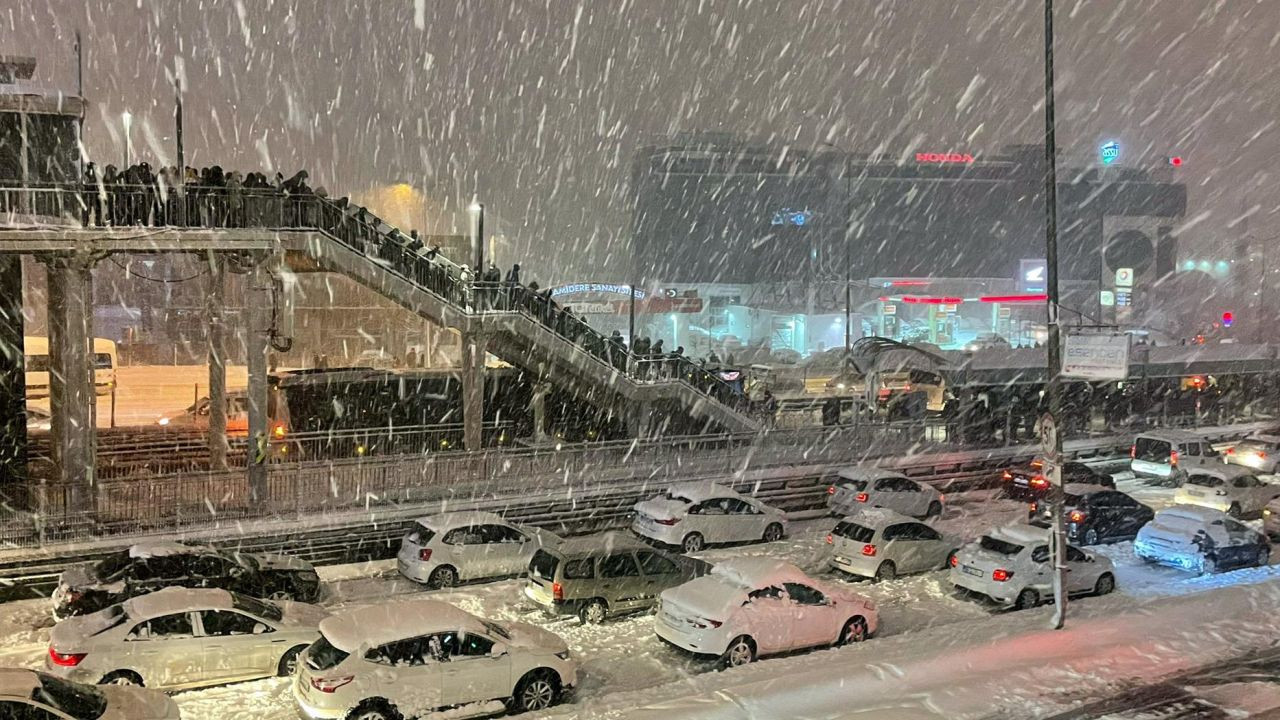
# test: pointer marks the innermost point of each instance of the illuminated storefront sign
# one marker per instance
(1109, 152)
(579, 288)
(787, 216)
(944, 158)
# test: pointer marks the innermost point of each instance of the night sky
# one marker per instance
(538, 107)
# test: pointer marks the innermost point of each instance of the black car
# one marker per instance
(1095, 514)
(149, 567)
(1028, 483)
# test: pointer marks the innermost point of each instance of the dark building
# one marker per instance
(716, 209)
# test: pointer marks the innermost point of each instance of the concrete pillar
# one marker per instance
(73, 403)
(13, 390)
(474, 347)
(539, 407)
(217, 366)
(257, 332)
(637, 416)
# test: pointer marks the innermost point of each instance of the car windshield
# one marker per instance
(996, 545)
(112, 565)
(496, 630)
(323, 656)
(858, 485)
(1204, 480)
(1151, 450)
(543, 565)
(256, 607)
(420, 534)
(74, 699)
(854, 532)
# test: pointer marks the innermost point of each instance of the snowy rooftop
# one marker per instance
(375, 625)
(448, 521)
(176, 600)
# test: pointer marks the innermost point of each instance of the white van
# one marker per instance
(1170, 455)
(35, 351)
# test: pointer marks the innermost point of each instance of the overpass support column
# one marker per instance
(637, 417)
(217, 366)
(540, 392)
(258, 303)
(474, 347)
(13, 391)
(72, 401)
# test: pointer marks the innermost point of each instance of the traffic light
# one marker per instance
(1227, 319)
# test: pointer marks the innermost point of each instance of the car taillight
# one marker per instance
(703, 623)
(830, 540)
(1173, 458)
(1039, 481)
(954, 561)
(424, 554)
(668, 521)
(328, 685)
(1006, 475)
(1076, 516)
(869, 550)
(831, 490)
(1133, 452)
(65, 659)
(1000, 574)
(557, 591)
(861, 497)
(1035, 507)
(1262, 455)
(1232, 451)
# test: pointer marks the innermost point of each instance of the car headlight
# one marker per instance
(1266, 511)
(162, 421)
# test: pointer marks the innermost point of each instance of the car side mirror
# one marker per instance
(499, 649)
(260, 629)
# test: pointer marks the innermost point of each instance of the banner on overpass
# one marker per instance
(1102, 356)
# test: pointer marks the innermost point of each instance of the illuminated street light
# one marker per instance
(126, 119)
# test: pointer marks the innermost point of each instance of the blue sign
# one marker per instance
(1109, 152)
(787, 216)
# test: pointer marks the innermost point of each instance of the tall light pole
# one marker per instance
(477, 208)
(126, 119)
(1052, 433)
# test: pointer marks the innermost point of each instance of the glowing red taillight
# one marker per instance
(1076, 516)
(869, 550)
(831, 490)
(1006, 475)
(329, 685)
(1000, 574)
(557, 591)
(1262, 455)
(65, 659)
(1173, 458)
(424, 554)
(1133, 451)
(1035, 507)
(861, 497)
(668, 521)
(830, 540)
(1039, 481)
(954, 561)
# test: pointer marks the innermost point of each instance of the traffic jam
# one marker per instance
(492, 617)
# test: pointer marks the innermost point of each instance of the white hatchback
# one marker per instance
(864, 486)
(883, 544)
(442, 550)
(749, 607)
(406, 659)
(181, 638)
(693, 515)
(1230, 488)
(1011, 565)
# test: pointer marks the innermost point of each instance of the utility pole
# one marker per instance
(182, 159)
(1052, 435)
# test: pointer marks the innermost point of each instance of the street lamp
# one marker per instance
(126, 119)
(848, 241)
(477, 209)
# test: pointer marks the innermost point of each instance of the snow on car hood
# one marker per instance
(710, 597)
(135, 703)
(282, 562)
(302, 614)
(530, 637)
(662, 508)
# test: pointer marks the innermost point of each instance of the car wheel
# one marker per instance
(740, 652)
(886, 571)
(1106, 583)
(854, 631)
(1027, 599)
(773, 533)
(289, 662)
(122, 677)
(374, 710)
(537, 690)
(693, 543)
(1263, 558)
(1234, 510)
(593, 613)
(443, 577)
(1090, 537)
(935, 510)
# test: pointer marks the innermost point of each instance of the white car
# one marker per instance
(1168, 455)
(1011, 565)
(1200, 539)
(749, 607)
(181, 638)
(694, 515)
(1229, 488)
(31, 695)
(866, 486)
(1260, 452)
(883, 544)
(442, 550)
(396, 659)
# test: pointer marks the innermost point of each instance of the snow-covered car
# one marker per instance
(148, 567)
(1168, 455)
(33, 695)
(180, 638)
(882, 544)
(443, 550)
(404, 659)
(1260, 452)
(1011, 565)
(1029, 483)
(751, 607)
(867, 486)
(693, 515)
(1229, 488)
(1094, 514)
(1200, 539)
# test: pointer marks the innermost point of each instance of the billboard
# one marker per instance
(1103, 356)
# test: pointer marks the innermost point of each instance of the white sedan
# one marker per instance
(1230, 488)
(865, 486)
(31, 695)
(181, 638)
(441, 550)
(883, 544)
(1011, 565)
(749, 607)
(693, 515)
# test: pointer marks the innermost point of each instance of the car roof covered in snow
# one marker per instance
(18, 683)
(1197, 513)
(600, 544)
(175, 600)
(1222, 472)
(759, 572)
(1172, 436)
(379, 624)
(162, 548)
(867, 472)
(878, 517)
(444, 522)
(1021, 534)
(699, 491)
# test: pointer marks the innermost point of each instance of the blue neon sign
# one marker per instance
(787, 216)
(1109, 152)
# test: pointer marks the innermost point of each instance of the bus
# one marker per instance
(35, 351)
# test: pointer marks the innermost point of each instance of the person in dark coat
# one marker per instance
(673, 361)
(656, 355)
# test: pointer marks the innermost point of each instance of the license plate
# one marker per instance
(970, 570)
(1195, 493)
(842, 559)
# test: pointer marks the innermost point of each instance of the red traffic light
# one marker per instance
(1227, 319)
(1176, 161)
